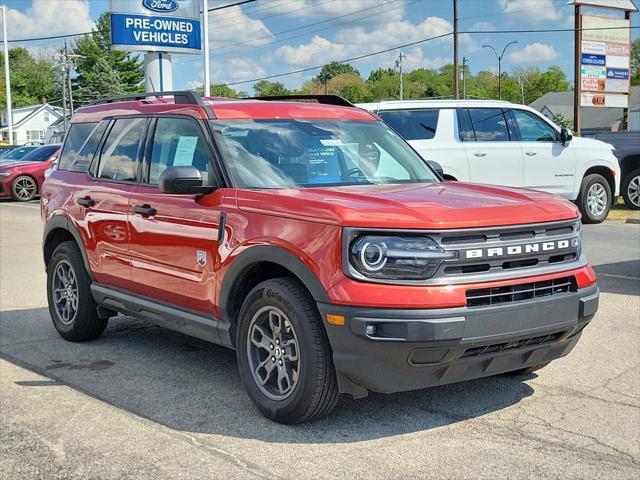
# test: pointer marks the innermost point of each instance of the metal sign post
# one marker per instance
(7, 75)
(158, 28)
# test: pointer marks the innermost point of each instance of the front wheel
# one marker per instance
(283, 353)
(594, 200)
(631, 190)
(24, 188)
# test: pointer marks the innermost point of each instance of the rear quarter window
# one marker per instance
(413, 124)
(80, 146)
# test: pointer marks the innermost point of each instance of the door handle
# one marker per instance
(531, 154)
(86, 201)
(479, 154)
(145, 210)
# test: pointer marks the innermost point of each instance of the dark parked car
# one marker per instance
(17, 153)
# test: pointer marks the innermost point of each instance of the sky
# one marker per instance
(271, 37)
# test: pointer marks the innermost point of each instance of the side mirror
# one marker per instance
(565, 136)
(436, 166)
(183, 180)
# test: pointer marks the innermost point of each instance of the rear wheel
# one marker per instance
(283, 353)
(24, 188)
(595, 198)
(631, 190)
(71, 304)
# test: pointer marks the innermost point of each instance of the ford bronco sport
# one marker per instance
(314, 241)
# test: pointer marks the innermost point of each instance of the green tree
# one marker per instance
(378, 74)
(221, 90)
(265, 88)
(334, 69)
(635, 62)
(99, 64)
(31, 79)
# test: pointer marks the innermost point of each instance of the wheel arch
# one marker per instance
(628, 164)
(256, 264)
(608, 176)
(59, 229)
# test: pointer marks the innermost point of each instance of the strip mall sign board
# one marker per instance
(171, 26)
(604, 61)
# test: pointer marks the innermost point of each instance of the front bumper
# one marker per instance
(413, 349)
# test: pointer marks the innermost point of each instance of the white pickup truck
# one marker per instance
(501, 143)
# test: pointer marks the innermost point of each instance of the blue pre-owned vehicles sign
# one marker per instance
(156, 25)
(164, 33)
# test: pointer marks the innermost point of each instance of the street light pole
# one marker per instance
(456, 88)
(7, 75)
(205, 26)
(499, 57)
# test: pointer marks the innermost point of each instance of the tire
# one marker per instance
(313, 392)
(631, 190)
(594, 200)
(72, 310)
(24, 188)
(525, 371)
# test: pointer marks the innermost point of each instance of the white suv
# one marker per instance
(501, 143)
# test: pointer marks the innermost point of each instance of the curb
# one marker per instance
(635, 219)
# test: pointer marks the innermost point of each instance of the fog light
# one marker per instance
(371, 330)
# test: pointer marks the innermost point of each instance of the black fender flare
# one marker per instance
(62, 222)
(267, 253)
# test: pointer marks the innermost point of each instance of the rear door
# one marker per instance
(431, 131)
(548, 164)
(174, 238)
(103, 200)
(492, 150)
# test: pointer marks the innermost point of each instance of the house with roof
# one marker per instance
(29, 123)
(593, 119)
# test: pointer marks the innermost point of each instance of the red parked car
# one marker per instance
(312, 240)
(22, 179)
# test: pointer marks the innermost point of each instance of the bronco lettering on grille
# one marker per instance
(517, 249)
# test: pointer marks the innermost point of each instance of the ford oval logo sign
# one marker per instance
(161, 6)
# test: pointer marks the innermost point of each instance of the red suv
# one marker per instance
(314, 241)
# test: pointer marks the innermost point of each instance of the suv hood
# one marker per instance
(420, 206)
(591, 143)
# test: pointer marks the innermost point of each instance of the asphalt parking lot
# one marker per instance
(144, 402)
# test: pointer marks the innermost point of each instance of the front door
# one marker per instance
(548, 164)
(174, 238)
(494, 156)
(103, 199)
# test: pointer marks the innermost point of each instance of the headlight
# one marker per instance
(396, 257)
(4, 174)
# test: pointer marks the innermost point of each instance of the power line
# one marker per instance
(424, 40)
(93, 32)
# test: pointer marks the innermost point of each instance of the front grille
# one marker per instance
(498, 250)
(512, 345)
(484, 297)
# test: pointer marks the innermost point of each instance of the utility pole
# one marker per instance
(456, 89)
(401, 56)
(499, 57)
(67, 63)
(464, 77)
(7, 75)
(205, 39)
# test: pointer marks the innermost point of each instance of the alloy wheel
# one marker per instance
(25, 188)
(633, 191)
(65, 292)
(272, 348)
(597, 199)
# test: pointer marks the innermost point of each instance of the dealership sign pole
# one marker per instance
(7, 75)
(158, 28)
(602, 58)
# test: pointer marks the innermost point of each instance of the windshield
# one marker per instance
(40, 154)
(311, 153)
(17, 153)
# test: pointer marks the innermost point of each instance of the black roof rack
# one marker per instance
(180, 97)
(324, 99)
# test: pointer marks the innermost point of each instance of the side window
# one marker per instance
(413, 124)
(465, 127)
(532, 128)
(489, 124)
(178, 142)
(80, 146)
(119, 157)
